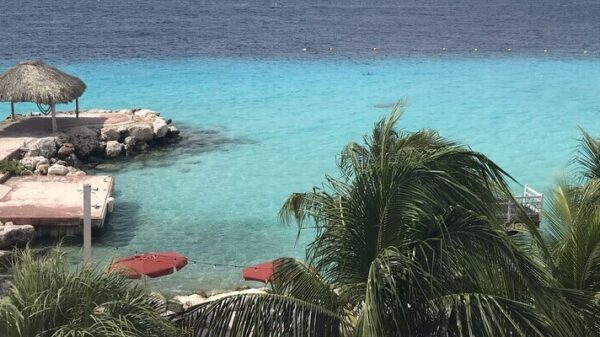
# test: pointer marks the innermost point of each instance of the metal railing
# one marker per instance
(531, 201)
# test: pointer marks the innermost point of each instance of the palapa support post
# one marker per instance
(87, 223)
(76, 107)
(12, 110)
(54, 126)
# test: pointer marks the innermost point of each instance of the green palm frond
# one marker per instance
(589, 156)
(47, 298)
(264, 315)
(294, 278)
(408, 243)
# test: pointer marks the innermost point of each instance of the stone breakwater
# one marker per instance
(65, 153)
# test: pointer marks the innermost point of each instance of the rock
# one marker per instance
(108, 134)
(61, 138)
(147, 113)
(58, 170)
(160, 128)
(122, 130)
(101, 111)
(62, 162)
(31, 163)
(107, 167)
(173, 130)
(15, 235)
(84, 140)
(143, 146)
(76, 173)
(5, 256)
(72, 160)
(66, 150)
(113, 149)
(141, 132)
(187, 301)
(125, 111)
(129, 143)
(42, 169)
(45, 147)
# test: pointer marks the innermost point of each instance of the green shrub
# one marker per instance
(14, 167)
(49, 299)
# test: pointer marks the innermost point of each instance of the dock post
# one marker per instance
(87, 223)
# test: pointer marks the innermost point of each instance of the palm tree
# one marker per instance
(574, 233)
(48, 299)
(407, 243)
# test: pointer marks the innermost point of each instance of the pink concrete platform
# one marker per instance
(53, 201)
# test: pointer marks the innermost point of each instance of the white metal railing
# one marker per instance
(531, 200)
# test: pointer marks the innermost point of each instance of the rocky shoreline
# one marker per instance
(67, 152)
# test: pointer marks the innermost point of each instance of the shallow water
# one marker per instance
(256, 131)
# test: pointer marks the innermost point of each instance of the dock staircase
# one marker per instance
(531, 201)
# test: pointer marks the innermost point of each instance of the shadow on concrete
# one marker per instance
(42, 126)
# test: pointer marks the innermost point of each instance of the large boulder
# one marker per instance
(108, 134)
(31, 163)
(129, 143)
(147, 113)
(42, 169)
(182, 303)
(160, 127)
(61, 138)
(85, 141)
(113, 149)
(58, 170)
(66, 150)
(173, 130)
(45, 147)
(141, 132)
(15, 235)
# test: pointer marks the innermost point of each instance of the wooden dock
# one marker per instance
(54, 204)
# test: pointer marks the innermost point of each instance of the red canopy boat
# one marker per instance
(152, 264)
(261, 272)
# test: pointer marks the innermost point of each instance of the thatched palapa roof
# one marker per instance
(38, 82)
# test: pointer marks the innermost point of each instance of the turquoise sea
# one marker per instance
(257, 130)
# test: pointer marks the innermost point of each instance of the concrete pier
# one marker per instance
(54, 204)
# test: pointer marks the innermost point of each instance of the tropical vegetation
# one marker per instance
(49, 299)
(13, 167)
(408, 243)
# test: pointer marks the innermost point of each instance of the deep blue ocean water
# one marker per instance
(263, 118)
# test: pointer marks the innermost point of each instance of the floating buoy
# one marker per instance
(585, 51)
(509, 49)
(475, 49)
(303, 49)
(545, 50)
(330, 49)
(444, 48)
(374, 48)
